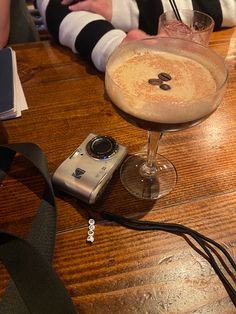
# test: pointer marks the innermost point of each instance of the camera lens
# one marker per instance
(102, 147)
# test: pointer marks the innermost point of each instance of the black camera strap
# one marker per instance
(209, 247)
(34, 286)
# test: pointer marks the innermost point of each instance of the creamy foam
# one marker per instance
(187, 100)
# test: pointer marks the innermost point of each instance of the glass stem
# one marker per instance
(149, 168)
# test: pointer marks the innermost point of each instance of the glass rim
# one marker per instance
(211, 26)
(219, 57)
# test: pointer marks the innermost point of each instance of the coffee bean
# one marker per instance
(155, 81)
(164, 76)
(165, 86)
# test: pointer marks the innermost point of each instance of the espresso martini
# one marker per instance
(162, 84)
(161, 90)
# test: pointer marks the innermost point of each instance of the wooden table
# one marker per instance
(124, 271)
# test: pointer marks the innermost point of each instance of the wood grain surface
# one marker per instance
(124, 271)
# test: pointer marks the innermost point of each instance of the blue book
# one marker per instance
(12, 98)
(6, 81)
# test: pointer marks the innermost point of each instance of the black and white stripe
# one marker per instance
(94, 38)
(85, 33)
(212, 8)
(222, 11)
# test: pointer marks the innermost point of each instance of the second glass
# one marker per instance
(194, 25)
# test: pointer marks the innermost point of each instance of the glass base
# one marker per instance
(142, 187)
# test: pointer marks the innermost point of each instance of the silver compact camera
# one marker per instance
(87, 171)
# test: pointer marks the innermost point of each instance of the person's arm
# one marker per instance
(123, 14)
(95, 38)
(88, 34)
(144, 14)
(4, 22)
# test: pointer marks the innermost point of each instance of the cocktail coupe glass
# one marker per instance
(162, 85)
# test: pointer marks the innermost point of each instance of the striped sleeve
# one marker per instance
(94, 38)
(222, 11)
(85, 33)
(149, 12)
(125, 14)
(228, 8)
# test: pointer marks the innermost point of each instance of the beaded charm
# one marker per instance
(91, 228)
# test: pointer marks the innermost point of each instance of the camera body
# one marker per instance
(87, 171)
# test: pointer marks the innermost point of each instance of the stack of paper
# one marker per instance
(12, 98)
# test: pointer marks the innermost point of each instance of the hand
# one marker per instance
(135, 34)
(101, 7)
